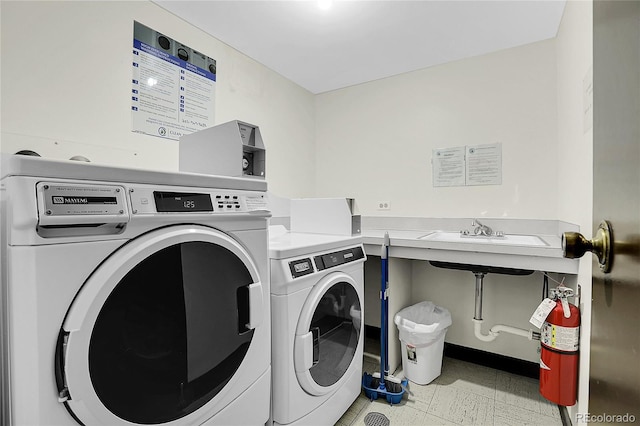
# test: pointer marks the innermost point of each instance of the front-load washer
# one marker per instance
(317, 301)
(132, 297)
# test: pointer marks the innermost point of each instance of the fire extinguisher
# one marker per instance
(559, 354)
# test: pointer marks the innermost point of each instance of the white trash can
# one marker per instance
(421, 329)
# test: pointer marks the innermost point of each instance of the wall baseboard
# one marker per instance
(488, 359)
(476, 356)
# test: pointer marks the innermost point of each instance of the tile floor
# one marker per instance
(464, 394)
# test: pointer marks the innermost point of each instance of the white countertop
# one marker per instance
(407, 243)
(285, 245)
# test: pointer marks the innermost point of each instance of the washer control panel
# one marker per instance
(309, 265)
(331, 260)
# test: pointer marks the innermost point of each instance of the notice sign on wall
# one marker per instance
(449, 166)
(173, 86)
(467, 165)
(484, 164)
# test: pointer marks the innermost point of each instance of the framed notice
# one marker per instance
(173, 86)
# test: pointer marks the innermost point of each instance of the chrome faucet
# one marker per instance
(481, 229)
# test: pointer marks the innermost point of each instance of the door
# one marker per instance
(328, 334)
(159, 329)
(614, 383)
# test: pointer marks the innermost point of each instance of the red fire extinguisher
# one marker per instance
(559, 354)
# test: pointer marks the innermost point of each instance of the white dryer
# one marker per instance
(132, 297)
(317, 299)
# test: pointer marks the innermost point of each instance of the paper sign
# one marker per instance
(484, 164)
(172, 88)
(471, 165)
(448, 166)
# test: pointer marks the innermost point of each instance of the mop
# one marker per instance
(382, 384)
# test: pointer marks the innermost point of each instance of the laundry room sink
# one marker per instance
(509, 240)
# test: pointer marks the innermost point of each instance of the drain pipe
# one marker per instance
(495, 331)
(479, 282)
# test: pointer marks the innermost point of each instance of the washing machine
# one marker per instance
(132, 297)
(317, 300)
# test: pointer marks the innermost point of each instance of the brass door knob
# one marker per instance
(575, 245)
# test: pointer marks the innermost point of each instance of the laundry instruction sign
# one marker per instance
(470, 165)
(173, 86)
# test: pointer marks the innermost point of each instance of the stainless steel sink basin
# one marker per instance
(509, 240)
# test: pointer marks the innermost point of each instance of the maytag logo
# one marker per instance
(70, 200)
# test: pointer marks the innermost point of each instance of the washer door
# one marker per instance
(159, 329)
(328, 334)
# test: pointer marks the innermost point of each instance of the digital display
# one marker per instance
(300, 267)
(182, 202)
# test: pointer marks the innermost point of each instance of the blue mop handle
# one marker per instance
(387, 243)
(384, 310)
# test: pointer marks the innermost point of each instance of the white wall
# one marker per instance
(374, 141)
(66, 73)
(575, 157)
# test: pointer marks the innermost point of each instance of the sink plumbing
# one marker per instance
(498, 328)
(480, 272)
(481, 230)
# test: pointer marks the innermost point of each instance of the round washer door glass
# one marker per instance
(328, 334)
(172, 332)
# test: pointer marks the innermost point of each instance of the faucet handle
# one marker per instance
(476, 222)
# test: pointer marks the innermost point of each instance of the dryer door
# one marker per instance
(159, 329)
(328, 334)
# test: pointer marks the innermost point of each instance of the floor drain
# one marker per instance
(376, 419)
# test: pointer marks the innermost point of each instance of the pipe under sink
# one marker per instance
(480, 271)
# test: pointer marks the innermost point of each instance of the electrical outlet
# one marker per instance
(384, 205)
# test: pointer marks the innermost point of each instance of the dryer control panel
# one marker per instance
(153, 200)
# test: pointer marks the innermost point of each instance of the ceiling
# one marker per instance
(359, 41)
